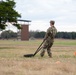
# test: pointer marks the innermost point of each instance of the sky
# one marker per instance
(40, 12)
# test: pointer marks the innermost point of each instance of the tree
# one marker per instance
(8, 14)
(31, 34)
(42, 34)
(73, 35)
(8, 34)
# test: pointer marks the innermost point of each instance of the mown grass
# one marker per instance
(12, 61)
(65, 42)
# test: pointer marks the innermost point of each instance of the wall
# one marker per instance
(25, 32)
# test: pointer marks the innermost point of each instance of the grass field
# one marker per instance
(12, 61)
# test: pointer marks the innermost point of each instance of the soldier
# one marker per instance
(49, 39)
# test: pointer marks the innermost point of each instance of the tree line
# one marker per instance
(8, 35)
(37, 34)
(64, 35)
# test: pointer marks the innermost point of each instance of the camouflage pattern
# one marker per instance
(49, 39)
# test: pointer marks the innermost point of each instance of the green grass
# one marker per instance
(66, 42)
(12, 61)
(10, 46)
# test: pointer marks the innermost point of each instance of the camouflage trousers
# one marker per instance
(47, 46)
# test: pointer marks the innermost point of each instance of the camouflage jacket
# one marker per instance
(50, 34)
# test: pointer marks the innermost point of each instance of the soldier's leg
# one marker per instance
(49, 50)
(42, 52)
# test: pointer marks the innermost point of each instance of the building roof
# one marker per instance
(24, 20)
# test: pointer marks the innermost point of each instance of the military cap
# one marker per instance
(52, 22)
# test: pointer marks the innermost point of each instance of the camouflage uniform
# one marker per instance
(50, 34)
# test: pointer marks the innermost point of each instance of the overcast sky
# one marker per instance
(40, 12)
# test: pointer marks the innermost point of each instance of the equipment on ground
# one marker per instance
(38, 49)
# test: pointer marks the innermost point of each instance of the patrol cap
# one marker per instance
(52, 22)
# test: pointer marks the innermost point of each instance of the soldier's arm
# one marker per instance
(54, 31)
(46, 35)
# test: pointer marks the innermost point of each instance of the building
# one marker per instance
(25, 30)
